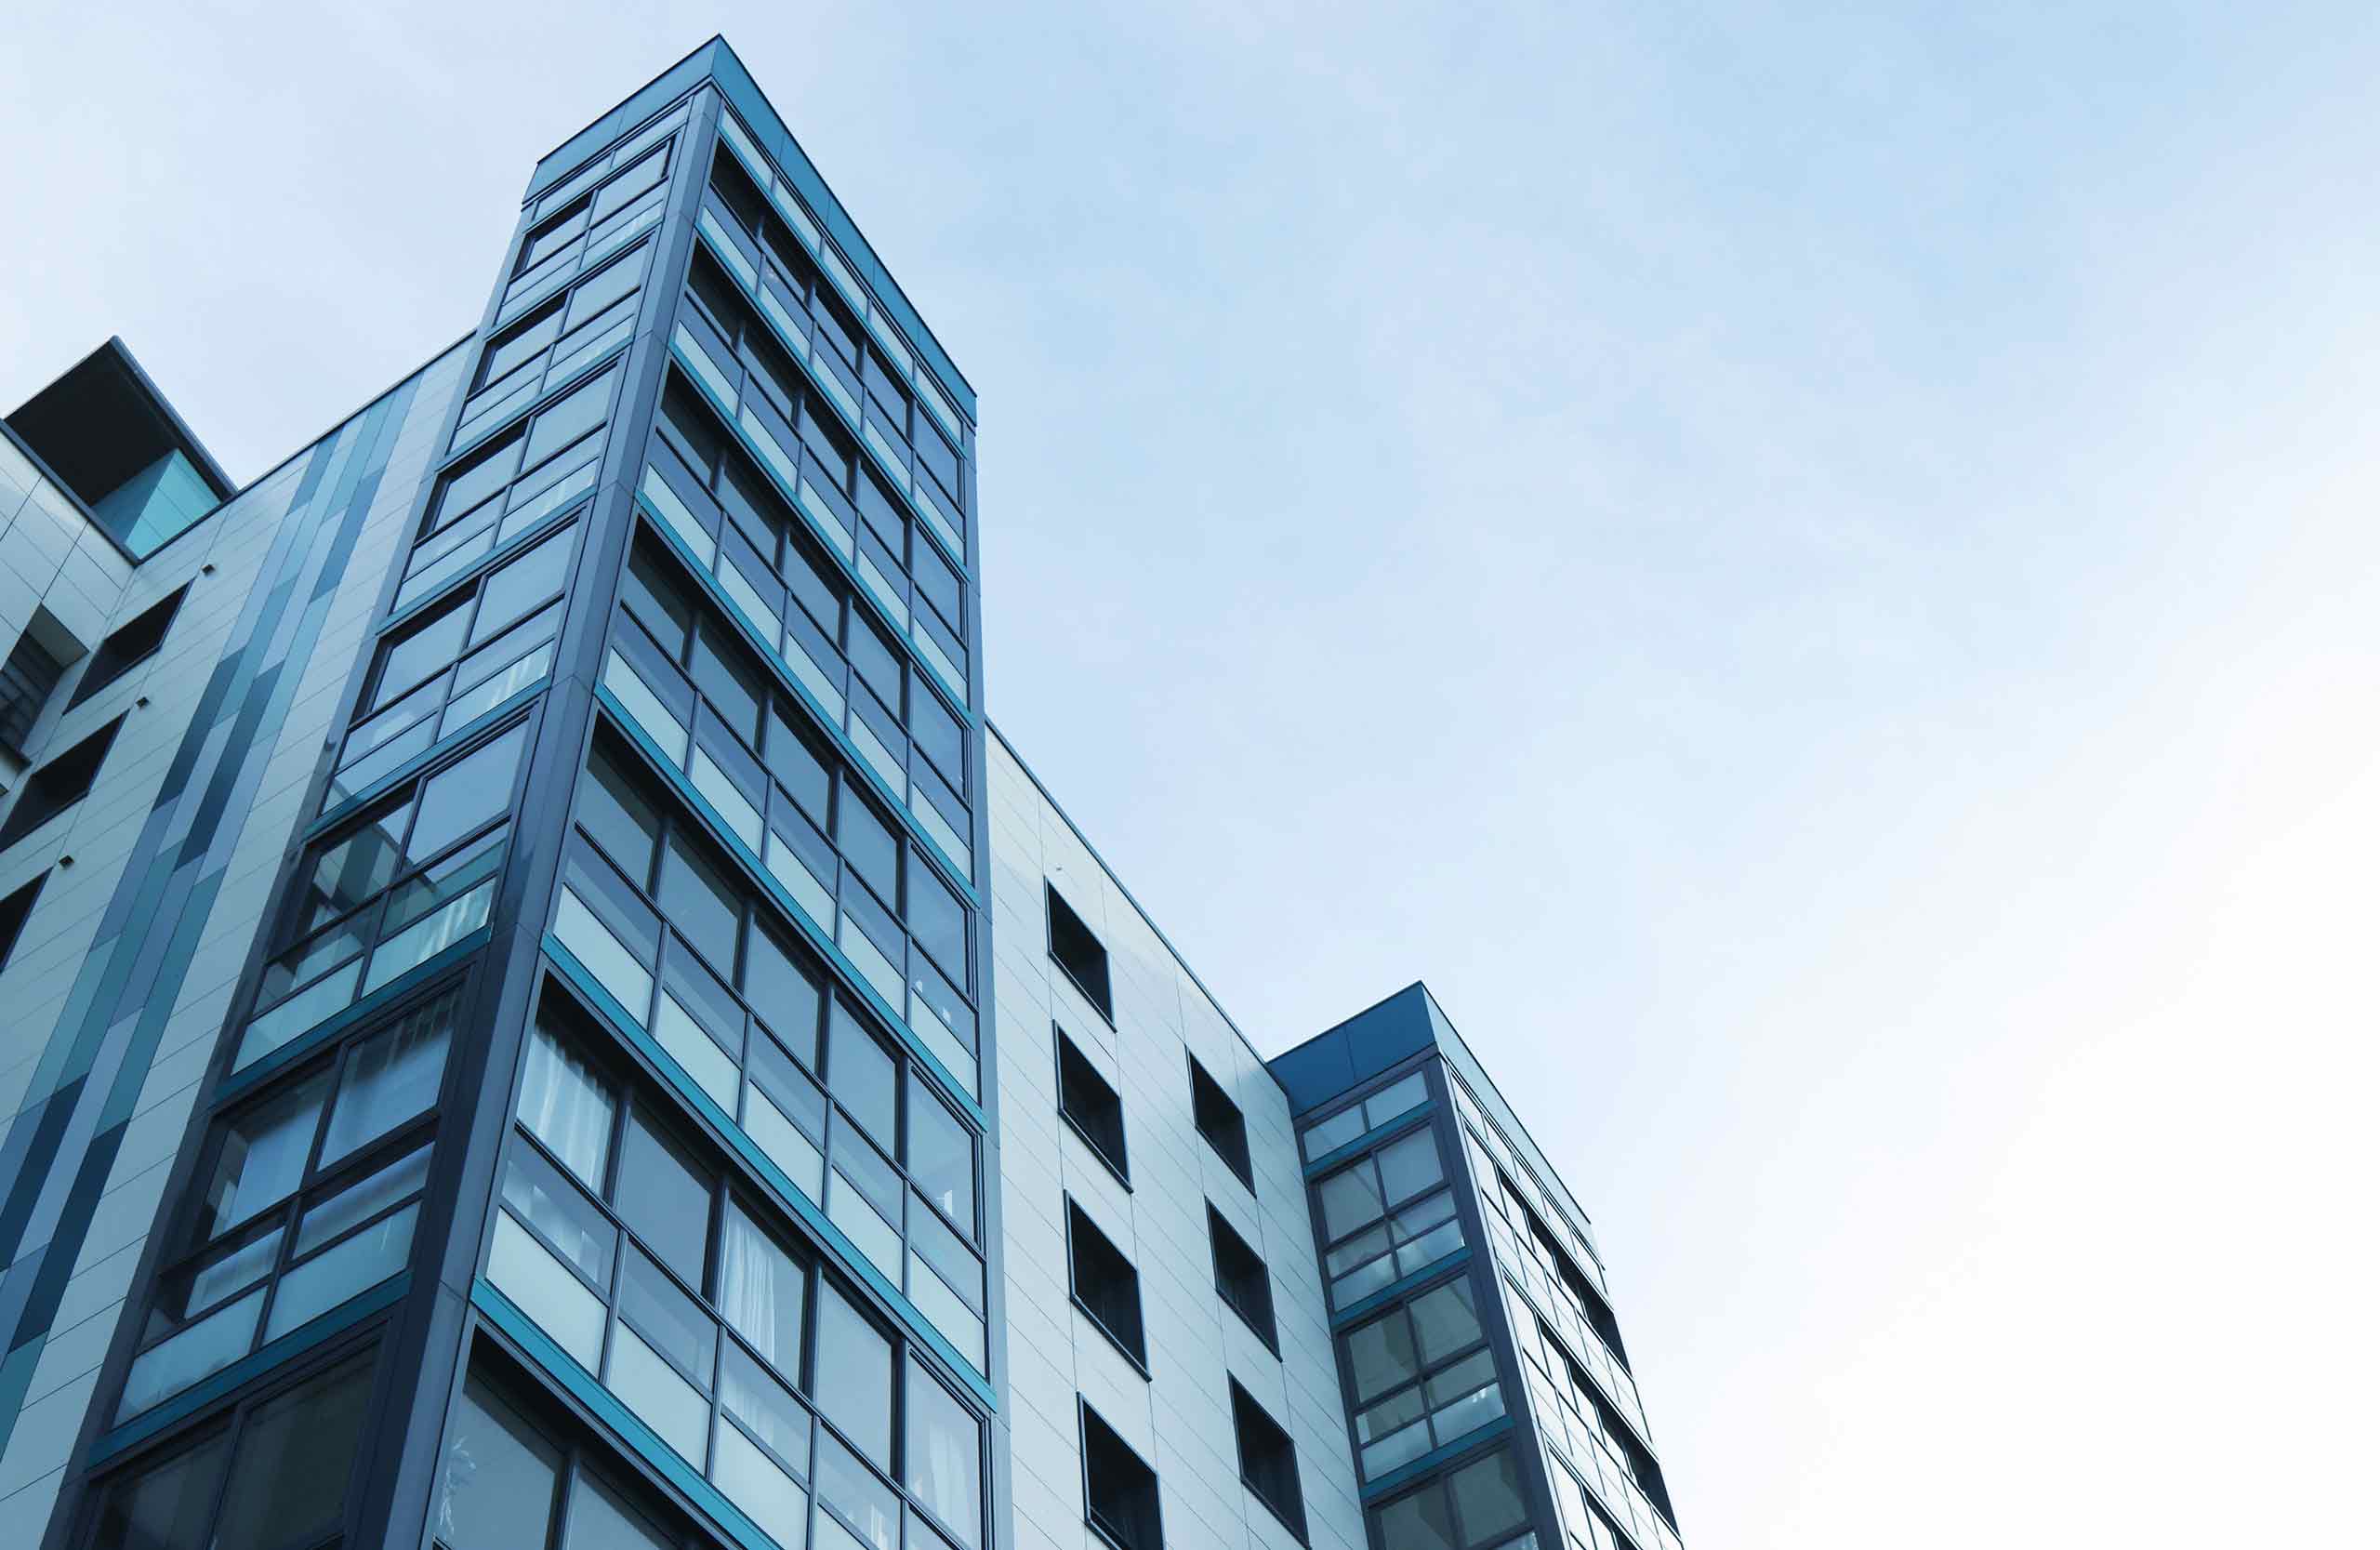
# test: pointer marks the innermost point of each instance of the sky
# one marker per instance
(1811, 568)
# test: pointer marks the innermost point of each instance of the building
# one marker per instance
(542, 1013)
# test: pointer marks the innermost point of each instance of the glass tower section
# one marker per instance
(597, 1151)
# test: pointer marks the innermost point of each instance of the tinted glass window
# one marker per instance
(854, 1378)
(497, 1491)
(666, 1200)
(462, 797)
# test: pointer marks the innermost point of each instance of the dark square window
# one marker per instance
(1105, 1285)
(14, 909)
(1090, 1106)
(1118, 1491)
(1220, 1122)
(59, 785)
(1241, 1278)
(133, 643)
(1075, 950)
(1268, 1461)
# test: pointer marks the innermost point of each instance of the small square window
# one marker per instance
(1241, 1279)
(131, 644)
(1268, 1461)
(1105, 1286)
(1090, 1106)
(1075, 950)
(1220, 1122)
(1118, 1491)
(59, 785)
(28, 676)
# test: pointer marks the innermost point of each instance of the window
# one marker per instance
(654, 1270)
(290, 1456)
(26, 679)
(1424, 1376)
(1219, 1121)
(689, 950)
(1091, 1105)
(510, 1483)
(552, 343)
(1400, 1098)
(1268, 1461)
(14, 911)
(1385, 1216)
(1241, 1279)
(308, 1195)
(444, 669)
(1119, 1492)
(131, 644)
(59, 785)
(1075, 950)
(1105, 1284)
(1476, 1505)
(387, 893)
(1591, 1420)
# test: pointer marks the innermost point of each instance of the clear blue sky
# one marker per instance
(1811, 567)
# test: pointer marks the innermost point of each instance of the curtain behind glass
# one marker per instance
(567, 1107)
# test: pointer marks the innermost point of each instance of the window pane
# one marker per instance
(866, 1502)
(854, 1375)
(786, 998)
(1409, 1165)
(695, 897)
(1350, 1198)
(567, 420)
(352, 868)
(599, 1520)
(263, 1155)
(289, 1477)
(730, 686)
(941, 1155)
(942, 1446)
(1418, 1522)
(760, 1290)
(393, 1077)
(497, 1491)
(462, 797)
(869, 843)
(664, 1201)
(860, 1074)
(430, 646)
(531, 579)
(758, 1484)
(566, 1106)
(1443, 1320)
(651, 592)
(935, 918)
(1382, 1355)
(164, 1507)
(1487, 1497)
(375, 1192)
(612, 807)
(332, 1277)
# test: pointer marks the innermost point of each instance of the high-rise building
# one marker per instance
(540, 1013)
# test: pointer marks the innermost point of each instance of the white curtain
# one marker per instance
(944, 1471)
(759, 1291)
(567, 1107)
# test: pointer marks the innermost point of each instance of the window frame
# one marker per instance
(1087, 1127)
(1062, 916)
(1135, 1350)
(94, 748)
(1261, 1321)
(1245, 1407)
(108, 664)
(1212, 1104)
(1120, 1536)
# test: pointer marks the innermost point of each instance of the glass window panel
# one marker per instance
(1350, 1197)
(785, 996)
(1418, 1522)
(496, 1490)
(1334, 1132)
(392, 1076)
(376, 1191)
(942, 1155)
(1382, 1355)
(864, 1501)
(599, 1520)
(942, 1451)
(652, 594)
(665, 1200)
(525, 1271)
(762, 1289)
(874, 659)
(338, 1273)
(860, 1074)
(209, 1345)
(566, 1106)
(1445, 1320)
(1396, 1099)
(352, 868)
(697, 898)
(936, 918)
(1488, 1496)
(606, 286)
(867, 840)
(1410, 1164)
(615, 808)
(518, 585)
(754, 1396)
(463, 796)
(164, 1506)
(422, 650)
(754, 1482)
(263, 1155)
(560, 1212)
(722, 672)
(289, 1481)
(795, 762)
(487, 475)
(852, 1381)
(661, 1397)
(572, 417)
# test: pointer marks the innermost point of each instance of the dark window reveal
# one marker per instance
(1220, 1122)
(1268, 1461)
(1090, 1106)
(1241, 1279)
(1119, 1492)
(1075, 950)
(133, 643)
(1105, 1285)
(59, 785)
